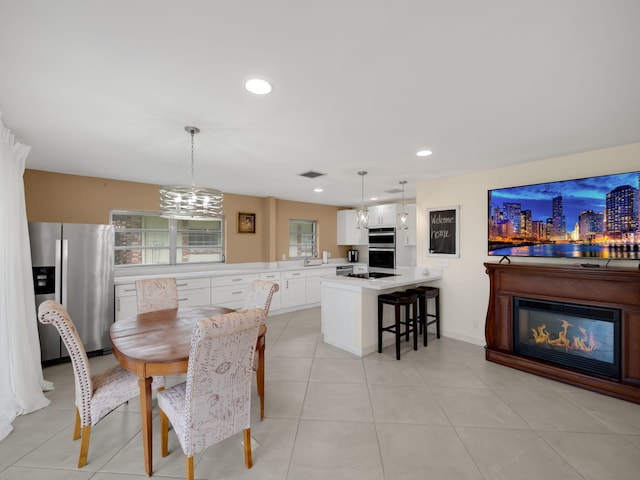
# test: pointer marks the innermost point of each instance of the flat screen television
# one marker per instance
(594, 217)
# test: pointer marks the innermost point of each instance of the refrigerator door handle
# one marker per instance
(58, 271)
(65, 268)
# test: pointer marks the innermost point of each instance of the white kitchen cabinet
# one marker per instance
(276, 300)
(383, 215)
(294, 292)
(313, 282)
(231, 290)
(348, 233)
(408, 236)
(192, 292)
(126, 304)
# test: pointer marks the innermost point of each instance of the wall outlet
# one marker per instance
(284, 257)
(442, 262)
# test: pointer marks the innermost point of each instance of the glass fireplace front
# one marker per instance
(581, 337)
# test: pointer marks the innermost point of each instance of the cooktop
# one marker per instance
(372, 275)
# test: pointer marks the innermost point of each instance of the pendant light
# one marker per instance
(362, 212)
(188, 202)
(403, 215)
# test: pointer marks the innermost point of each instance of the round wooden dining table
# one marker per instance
(156, 344)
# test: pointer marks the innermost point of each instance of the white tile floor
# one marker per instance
(440, 413)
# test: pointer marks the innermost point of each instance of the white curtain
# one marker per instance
(21, 380)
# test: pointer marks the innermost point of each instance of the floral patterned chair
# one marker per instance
(214, 402)
(156, 294)
(260, 296)
(97, 394)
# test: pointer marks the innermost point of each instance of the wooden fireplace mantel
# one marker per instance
(603, 287)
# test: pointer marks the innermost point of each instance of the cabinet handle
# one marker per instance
(236, 279)
(117, 304)
(236, 293)
(182, 299)
(129, 289)
(182, 284)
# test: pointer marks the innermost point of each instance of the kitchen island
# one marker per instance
(350, 307)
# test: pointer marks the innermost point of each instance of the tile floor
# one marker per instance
(440, 413)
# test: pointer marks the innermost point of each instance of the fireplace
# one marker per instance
(580, 337)
(605, 302)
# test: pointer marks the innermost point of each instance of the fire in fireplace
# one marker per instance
(581, 337)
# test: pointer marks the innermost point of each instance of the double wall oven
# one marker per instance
(382, 247)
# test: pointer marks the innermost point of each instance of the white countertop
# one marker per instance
(123, 276)
(404, 276)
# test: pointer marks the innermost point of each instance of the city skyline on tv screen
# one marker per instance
(569, 218)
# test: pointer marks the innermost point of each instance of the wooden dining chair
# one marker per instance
(259, 296)
(214, 402)
(156, 294)
(96, 394)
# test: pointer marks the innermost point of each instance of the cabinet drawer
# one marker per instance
(126, 290)
(295, 274)
(320, 271)
(191, 283)
(231, 293)
(195, 297)
(271, 277)
(234, 280)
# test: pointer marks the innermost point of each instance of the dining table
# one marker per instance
(156, 344)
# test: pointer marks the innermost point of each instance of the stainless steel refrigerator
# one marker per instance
(74, 264)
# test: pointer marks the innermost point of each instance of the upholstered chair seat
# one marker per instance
(214, 402)
(96, 394)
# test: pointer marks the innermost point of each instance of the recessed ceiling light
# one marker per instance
(258, 86)
(373, 198)
(318, 190)
(424, 153)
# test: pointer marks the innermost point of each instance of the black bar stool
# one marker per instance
(398, 300)
(424, 294)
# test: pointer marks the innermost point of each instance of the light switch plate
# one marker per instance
(442, 262)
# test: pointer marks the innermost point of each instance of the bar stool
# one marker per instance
(424, 294)
(398, 300)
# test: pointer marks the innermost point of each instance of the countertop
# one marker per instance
(404, 276)
(123, 277)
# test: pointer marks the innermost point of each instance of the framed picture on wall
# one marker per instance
(246, 222)
(443, 226)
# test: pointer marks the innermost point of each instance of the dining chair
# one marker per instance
(259, 296)
(155, 294)
(96, 394)
(214, 402)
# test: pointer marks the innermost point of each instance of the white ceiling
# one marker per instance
(105, 88)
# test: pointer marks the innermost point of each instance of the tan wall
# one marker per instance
(57, 197)
(327, 223)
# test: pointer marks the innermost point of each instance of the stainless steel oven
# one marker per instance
(382, 247)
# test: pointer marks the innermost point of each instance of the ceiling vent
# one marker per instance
(311, 174)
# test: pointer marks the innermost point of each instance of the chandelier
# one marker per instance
(188, 202)
(403, 215)
(363, 212)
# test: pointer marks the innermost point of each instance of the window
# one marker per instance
(302, 238)
(144, 238)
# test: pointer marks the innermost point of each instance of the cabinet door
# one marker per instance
(388, 215)
(382, 215)
(126, 307)
(348, 233)
(295, 292)
(408, 236)
(313, 290)
(276, 302)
